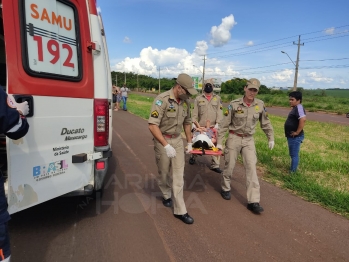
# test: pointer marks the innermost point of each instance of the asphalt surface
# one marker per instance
(129, 223)
(282, 111)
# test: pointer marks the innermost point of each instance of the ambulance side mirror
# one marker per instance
(29, 99)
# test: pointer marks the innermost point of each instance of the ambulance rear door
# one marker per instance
(49, 61)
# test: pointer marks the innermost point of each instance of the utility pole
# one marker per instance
(297, 63)
(116, 79)
(203, 75)
(137, 81)
(125, 78)
(159, 79)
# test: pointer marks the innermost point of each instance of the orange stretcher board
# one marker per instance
(207, 152)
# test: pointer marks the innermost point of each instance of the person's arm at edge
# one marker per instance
(156, 132)
(187, 131)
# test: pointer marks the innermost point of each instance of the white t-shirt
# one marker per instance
(124, 91)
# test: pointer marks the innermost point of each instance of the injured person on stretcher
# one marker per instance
(204, 138)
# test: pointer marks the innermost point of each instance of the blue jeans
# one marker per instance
(124, 100)
(294, 146)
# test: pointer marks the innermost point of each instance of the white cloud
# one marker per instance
(283, 76)
(250, 43)
(201, 47)
(127, 40)
(173, 61)
(329, 31)
(314, 76)
(220, 35)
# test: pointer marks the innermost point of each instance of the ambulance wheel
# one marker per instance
(97, 194)
(347, 115)
(192, 160)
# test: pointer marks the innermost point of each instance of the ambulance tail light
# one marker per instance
(101, 119)
(100, 165)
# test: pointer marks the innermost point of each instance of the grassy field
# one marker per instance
(330, 104)
(323, 175)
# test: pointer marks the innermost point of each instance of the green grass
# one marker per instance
(313, 103)
(323, 172)
(139, 105)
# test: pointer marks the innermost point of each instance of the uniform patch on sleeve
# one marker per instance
(266, 113)
(154, 114)
(10, 102)
(226, 112)
(221, 107)
(229, 107)
(158, 102)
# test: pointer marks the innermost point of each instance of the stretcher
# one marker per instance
(202, 145)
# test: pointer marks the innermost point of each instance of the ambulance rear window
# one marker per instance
(52, 42)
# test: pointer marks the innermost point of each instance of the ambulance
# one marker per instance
(53, 54)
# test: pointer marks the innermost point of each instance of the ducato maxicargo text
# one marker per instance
(54, 55)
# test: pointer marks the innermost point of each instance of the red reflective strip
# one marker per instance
(2, 255)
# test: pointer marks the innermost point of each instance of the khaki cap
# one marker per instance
(253, 83)
(187, 82)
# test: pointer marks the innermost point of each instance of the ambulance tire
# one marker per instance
(192, 160)
(98, 194)
(347, 115)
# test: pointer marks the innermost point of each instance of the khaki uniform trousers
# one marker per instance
(215, 162)
(244, 145)
(177, 163)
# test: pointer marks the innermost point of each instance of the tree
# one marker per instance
(263, 90)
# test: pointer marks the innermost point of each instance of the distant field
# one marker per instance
(331, 101)
(335, 93)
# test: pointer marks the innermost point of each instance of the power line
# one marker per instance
(319, 60)
(319, 31)
(328, 38)
(257, 50)
(345, 58)
(275, 47)
(282, 70)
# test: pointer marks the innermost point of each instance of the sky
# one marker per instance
(241, 39)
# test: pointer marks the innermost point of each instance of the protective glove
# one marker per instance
(22, 108)
(216, 126)
(170, 151)
(189, 148)
(271, 145)
(219, 146)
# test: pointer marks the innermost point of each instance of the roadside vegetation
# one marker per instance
(334, 101)
(312, 102)
(323, 175)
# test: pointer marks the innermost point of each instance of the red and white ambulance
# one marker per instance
(53, 54)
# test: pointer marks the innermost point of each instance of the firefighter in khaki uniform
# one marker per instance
(241, 119)
(169, 114)
(208, 106)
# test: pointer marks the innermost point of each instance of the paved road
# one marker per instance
(282, 111)
(130, 224)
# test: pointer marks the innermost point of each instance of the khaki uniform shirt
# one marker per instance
(168, 114)
(242, 119)
(207, 110)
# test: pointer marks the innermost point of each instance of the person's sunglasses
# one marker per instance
(186, 91)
